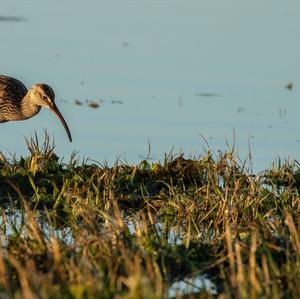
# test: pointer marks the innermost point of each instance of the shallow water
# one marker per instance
(190, 286)
(176, 74)
(16, 222)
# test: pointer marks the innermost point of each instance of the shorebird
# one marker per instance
(18, 103)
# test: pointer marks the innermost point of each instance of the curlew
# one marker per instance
(18, 103)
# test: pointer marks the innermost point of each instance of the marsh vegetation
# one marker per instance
(86, 230)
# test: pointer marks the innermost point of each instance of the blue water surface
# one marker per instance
(176, 74)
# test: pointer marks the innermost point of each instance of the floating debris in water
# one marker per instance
(56, 56)
(93, 104)
(11, 19)
(289, 86)
(125, 44)
(179, 100)
(206, 94)
(116, 102)
(281, 112)
(78, 102)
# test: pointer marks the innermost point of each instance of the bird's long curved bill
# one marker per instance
(55, 110)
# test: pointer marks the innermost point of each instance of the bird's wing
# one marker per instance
(11, 89)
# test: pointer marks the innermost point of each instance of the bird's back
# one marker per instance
(12, 91)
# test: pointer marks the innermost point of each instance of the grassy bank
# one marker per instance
(82, 230)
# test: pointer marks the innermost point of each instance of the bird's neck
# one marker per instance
(28, 108)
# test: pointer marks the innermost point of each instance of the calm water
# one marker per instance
(164, 71)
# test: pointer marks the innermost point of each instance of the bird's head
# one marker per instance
(43, 95)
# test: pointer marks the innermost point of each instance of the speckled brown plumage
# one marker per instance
(18, 103)
(12, 91)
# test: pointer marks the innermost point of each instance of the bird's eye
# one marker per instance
(45, 98)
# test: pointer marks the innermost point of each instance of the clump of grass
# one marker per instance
(129, 231)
